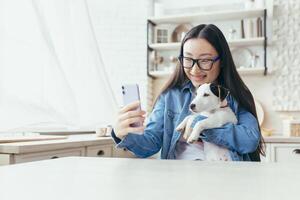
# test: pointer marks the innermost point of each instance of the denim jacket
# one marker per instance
(170, 109)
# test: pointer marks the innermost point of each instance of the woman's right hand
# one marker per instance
(126, 116)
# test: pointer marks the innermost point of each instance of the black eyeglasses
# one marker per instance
(203, 64)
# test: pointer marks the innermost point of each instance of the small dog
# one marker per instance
(210, 101)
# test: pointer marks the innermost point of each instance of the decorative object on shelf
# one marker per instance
(152, 57)
(172, 65)
(259, 28)
(260, 117)
(156, 60)
(291, 127)
(180, 31)
(254, 60)
(242, 57)
(102, 131)
(162, 34)
(159, 60)
(232, 33)
(242, 29)
(266, 131)
(252, 28)
(249, 28)
(173, 59)
(249, 25)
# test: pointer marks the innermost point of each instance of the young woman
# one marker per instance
(204, 57)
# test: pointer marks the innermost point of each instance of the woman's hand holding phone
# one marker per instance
(128, 115)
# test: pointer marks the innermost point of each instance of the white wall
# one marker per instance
(120, 28)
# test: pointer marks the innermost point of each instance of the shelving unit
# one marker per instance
(208, 16)
(203, 18)
(242, 71)
(232, 43)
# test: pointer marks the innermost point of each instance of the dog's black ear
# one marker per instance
(219, 91)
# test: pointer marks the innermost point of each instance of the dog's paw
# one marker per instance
(191, 140)
(193, 137)
(187, 133)
(180, 128)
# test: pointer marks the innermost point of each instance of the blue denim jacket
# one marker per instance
(170, 109)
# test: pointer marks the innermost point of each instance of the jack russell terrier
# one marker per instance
(210, 101)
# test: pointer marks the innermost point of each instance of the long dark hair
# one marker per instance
(228, 77)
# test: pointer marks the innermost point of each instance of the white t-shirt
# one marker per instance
(186, 151)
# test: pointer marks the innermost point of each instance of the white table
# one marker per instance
(81, 178)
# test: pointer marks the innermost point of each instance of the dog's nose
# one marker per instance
(192, 106)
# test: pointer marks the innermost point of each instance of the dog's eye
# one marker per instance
(205, 95)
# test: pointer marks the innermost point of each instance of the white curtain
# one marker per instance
(51, 71)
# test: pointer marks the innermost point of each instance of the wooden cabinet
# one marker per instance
(77, 145)
(108, 151)
(99, 151)
(285, 152)
(20, 158)
(282, 149)
(278, 149)
(122, 153)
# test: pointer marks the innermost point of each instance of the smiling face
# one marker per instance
(198, 48)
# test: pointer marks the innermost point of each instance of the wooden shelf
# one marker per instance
(209, 16)
(232, 43)
(254, 71)
(242, 71)
(165, 46)
(160, 74)
(246, 42)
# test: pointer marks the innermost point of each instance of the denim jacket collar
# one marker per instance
(187, 86)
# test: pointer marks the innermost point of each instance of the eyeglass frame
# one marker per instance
(180, 58)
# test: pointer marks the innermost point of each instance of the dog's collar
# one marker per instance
(224, 102)
(224, 106)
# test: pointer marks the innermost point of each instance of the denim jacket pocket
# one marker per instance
(171, 120)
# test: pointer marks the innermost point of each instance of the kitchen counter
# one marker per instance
(92, 139)
(281, 139)
(72, 141)
(77, 178)
(74, 145)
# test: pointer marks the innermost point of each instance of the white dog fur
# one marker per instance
(210, 101)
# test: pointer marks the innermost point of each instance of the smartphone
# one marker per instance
(130, 94)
